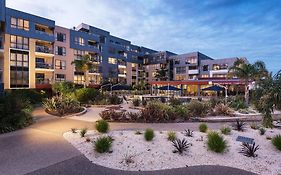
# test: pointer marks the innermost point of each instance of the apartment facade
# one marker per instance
(35, 52)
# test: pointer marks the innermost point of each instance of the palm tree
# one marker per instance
(248, 72)
(84, 65)
(267, 96)
(161, 74)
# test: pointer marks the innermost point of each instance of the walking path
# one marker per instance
(41, 149)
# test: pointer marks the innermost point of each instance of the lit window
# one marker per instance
(79, 41)
(60, 77)
(19, 23)
(60, 64)
(112, 60)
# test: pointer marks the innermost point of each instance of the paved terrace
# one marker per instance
(41, 149)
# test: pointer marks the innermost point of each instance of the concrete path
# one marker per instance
(41, 149)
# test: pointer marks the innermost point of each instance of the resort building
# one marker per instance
(34, 53)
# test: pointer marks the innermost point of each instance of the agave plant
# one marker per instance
(239, 125)
(249, 150)
(188, 133)
(180, 145)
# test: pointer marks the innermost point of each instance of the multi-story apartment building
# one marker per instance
(34, 53)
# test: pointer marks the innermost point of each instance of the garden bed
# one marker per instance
(131, 152)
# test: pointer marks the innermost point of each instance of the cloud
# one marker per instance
(218, 28)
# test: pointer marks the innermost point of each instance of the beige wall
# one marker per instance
(32, 62)
(69, 71)
(6, 69)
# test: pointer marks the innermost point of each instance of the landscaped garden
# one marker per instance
(258, 150)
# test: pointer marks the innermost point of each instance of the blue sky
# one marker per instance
(218, 28)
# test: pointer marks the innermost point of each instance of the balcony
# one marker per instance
(94, 71)
(44, 30)
(195, 71)
(44, 49)
(45, 66)
(41, 83)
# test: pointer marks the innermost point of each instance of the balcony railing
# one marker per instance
(44, 49)
(44, 66)
(45, 33)
(43, 81)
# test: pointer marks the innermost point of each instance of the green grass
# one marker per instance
(216, 142)
(203, 127)
(149, 134)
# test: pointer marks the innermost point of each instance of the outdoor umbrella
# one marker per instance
(169, 88)
(120, 87)
(214, 88)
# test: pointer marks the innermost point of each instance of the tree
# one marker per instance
(161, 74)
(248, 72)
(267, 96)
(84, 65)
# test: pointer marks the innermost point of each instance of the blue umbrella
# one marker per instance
(169, 88)
(120, 87)
(213, 88)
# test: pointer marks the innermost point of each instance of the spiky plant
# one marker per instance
(171, 135)
(188, 133)
(276, 141)
(83, 132)
(249, 150)
(239, 125)
(180, 145)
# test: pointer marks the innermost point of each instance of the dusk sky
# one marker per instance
(217, 28)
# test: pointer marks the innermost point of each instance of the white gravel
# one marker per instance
(157, 154)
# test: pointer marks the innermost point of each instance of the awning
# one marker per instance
(213, 88)
(169, 88)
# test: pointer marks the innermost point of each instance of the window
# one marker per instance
(79, 78)
(60, 51)
(192, 67)
(19, 42)
(79, 40)
(60, 77)
(79, 54)
(180, 70)
(61, 37)
(60, 64)
(205, 76)
(177, 61)
(191, 60)
(19, 23)
(19, 69)
(205, 67)
(112, 60)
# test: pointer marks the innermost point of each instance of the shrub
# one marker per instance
(181, 111)
(114, 99)
(238, 102)
(83, 132)
(112, 115)
(102, 126)
(214, 101)
(203, 127)
(171, 136)
(31, 95)
(63, 88)
(249, 150)
(262, 131)
(222, 109)
(144, 102)
(156, 111)
(216, 142)
(149, 134)
(276, 141)
(15, 113)
(174, 102)
(61, 105)
(239, 125)
(226, 130)
(188, 133)
(180, 145)
(103, 144)
(136, 102)
(197, 108)
(87, 95)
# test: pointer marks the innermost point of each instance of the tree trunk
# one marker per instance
(85, 79)
(247, 92)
